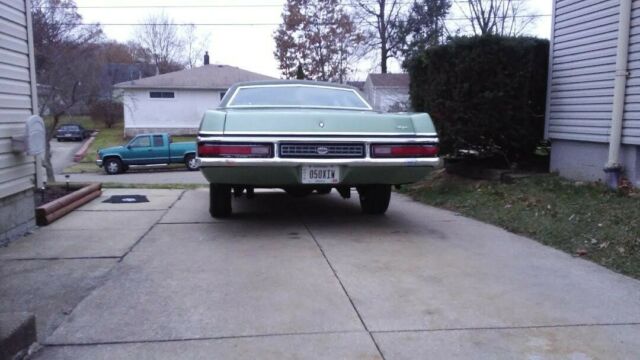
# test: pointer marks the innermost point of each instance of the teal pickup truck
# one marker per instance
(147, 149)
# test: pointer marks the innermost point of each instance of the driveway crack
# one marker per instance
(344, 289)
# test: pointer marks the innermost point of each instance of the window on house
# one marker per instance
(162, 94)
(157, 141)
(222, 94)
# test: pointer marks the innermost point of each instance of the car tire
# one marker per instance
(219, 200)
(59, 140)
(191, 163)
(374, 199)
(299, 191)
(113, 166)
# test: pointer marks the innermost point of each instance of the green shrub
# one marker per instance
(484, 93)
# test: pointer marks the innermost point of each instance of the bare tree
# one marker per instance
(67, 66)
(319, 36)
(160, 38)
(498, 17)
(195, 45)
(381, 19)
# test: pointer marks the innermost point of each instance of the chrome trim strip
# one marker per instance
(278, 139)
(310, 133)
(233, 162)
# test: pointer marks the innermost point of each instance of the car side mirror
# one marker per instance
(129, 147)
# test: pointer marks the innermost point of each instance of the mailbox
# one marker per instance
(33, 140)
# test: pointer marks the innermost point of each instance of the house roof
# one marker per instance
(389, 80)
(356, 84)
(212, 76)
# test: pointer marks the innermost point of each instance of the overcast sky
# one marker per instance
(243, 45)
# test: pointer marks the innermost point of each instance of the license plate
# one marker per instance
(320, 174)
(67, 135)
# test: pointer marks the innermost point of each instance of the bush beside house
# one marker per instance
(484, 93)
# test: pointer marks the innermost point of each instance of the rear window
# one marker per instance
(157, 140)
(70, 127)
(297, 96)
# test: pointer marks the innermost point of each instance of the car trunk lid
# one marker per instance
(316, 122)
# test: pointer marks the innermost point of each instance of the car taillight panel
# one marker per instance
(235, 150)
(403, 150)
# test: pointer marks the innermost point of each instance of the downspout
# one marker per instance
(613, 167)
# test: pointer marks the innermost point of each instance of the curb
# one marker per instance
(17, 333)
(79, 155)
(51, 211)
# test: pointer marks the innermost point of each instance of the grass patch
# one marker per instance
(586, 220)
(105, 138)
(116, 185)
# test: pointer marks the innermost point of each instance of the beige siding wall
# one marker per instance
(17, 100)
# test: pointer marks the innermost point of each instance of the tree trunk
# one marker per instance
(383, 60)
(46, 161)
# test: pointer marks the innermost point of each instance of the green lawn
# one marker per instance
(582, 219)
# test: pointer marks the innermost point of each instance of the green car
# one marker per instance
(305, 136)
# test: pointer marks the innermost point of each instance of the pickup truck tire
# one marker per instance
(219, 200)
(113, 166)
(190, 162)
(374, 199)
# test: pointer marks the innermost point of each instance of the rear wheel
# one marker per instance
(374, 199)
(191, 162)
(113, 166)
(219, 200)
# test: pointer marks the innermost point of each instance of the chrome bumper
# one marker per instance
(99, 163)
(366, 162)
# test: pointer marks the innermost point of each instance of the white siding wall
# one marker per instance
(17, 98)
(183, 111)
(382, 98)
(583, 69)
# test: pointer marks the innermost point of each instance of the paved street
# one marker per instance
(293, 278)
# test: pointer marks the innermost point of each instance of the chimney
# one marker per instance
(206, 58)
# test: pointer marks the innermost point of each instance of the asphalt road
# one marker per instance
(310, 278)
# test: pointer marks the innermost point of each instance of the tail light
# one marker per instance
(235, 150)
(404, 150)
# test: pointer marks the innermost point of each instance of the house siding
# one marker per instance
(581, 86)
(180, 115)
(17, 103)
(583, 69)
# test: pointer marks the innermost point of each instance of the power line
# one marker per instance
(265, 24)
(280, 5)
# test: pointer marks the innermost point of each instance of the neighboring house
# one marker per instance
(388, 92)
(18, 101)
(582, 77)
(357, 84)
(175, 102)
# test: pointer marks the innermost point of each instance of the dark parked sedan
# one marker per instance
(71, 132)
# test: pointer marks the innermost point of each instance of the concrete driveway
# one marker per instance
(313, 278)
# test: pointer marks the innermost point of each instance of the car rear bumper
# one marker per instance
(282, 172)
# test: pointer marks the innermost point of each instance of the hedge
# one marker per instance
(484, 93)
